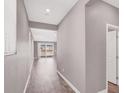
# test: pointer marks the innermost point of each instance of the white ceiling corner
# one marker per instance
(58, 9)
(113, 2)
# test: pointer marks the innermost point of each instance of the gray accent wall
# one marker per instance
(98, 14)
(17, 67)
(71, 46)
(35, 50)
(43, 25)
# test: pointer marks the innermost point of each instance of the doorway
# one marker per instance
(46, 49)
(112, 76)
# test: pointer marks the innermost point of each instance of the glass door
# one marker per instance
(47, 49)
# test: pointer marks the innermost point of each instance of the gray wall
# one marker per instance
(42, 25)
(35, 50)
(17, 66)
(98, 14)
(71, 46)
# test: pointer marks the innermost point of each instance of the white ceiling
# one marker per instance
(58, 9)
(113, 2)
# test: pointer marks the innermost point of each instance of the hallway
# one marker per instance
(75, 32)
(44, 78)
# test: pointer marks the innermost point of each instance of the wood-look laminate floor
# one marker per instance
(44, 78)
(112, 88)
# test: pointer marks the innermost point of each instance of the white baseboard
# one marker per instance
(28, 78)
(69, 83)
(103, 91)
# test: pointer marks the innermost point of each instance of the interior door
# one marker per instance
(112, 56)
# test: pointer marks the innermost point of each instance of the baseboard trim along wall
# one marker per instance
(103, 91)
(27, 82)
(68, 82)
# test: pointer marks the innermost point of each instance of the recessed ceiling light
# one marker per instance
(47, 10)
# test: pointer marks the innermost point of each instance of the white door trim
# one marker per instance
(107, 27)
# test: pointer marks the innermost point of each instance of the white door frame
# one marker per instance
(117, 29)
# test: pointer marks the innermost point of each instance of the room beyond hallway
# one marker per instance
(44, 78)
(113, 88)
